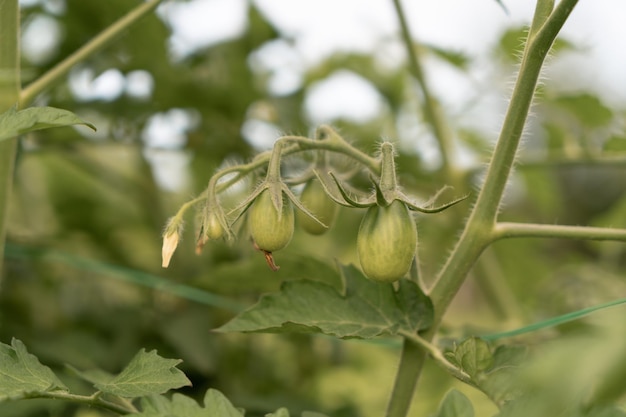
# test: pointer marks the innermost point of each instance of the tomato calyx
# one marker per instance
(387, 189)
(387, 237)
(271, 210)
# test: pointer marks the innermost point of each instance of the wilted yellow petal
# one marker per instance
(169, 246)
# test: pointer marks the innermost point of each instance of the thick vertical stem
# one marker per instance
(480, 225)
(409, 370)
(9, 95)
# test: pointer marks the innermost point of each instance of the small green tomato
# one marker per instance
(214, 229)
(386, 242)
(314, 198)
(269, 231)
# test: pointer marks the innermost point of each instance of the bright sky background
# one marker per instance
(318, 28)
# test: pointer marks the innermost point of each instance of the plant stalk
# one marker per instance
(9, 94)
(410, 367)
(505, 230)
(478, 231)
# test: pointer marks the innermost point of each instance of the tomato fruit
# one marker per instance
(314, 198)
(214, 229)
(386, 242)
(270, 231)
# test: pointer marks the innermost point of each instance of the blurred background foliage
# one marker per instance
(82, 280)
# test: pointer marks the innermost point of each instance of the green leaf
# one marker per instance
(13, 123)
(501, 380)
(215, 404)
(472, 355)
(312, 414)
(455, 58)
(512, 43)
(281, 412)
(146, 374)
(21, 373)
(365, 309)
(587, 109)
(615, 144)
(455, 404)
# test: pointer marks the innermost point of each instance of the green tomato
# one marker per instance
(270, 231)
(314, 198)
(386, 242)
(214, 229)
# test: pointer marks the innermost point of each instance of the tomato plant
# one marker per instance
(82, 282)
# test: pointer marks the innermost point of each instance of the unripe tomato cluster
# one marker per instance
(387, 237)
(386, 241)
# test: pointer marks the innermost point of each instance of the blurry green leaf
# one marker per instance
(365, 309)
(474, 140)
(606, 411)
(13, 123)
(312, 414)
(555, 137)
(499, 381)
(455, 404)
(586, 108)
(215, 404)
(455, 58)
(615, 144)
(281, 412)
(512, 42)
(22, 374)
(507, 357)
(472, 355)
(146, 374)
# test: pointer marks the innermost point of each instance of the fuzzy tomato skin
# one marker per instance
(386, 242)
(314, 198)
(269, 232)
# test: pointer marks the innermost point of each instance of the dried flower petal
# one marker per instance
(170, 242)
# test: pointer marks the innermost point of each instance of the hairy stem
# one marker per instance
(29, 93)
(478, 231)
(9, 93)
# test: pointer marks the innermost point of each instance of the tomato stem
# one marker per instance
(388, 180)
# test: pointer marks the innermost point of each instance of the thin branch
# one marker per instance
(94, 400)
(431, 108)
(9, 90)
(506, 230)
(438, 356)
(29, 93)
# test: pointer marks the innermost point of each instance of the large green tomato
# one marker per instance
(269, 232)
(314, 198)
(386, 242)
